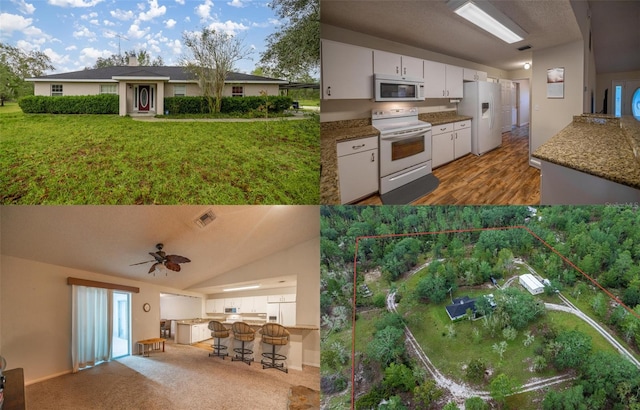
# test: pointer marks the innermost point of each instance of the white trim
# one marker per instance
(63, 80)
(51, 376)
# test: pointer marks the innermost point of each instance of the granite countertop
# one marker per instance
(631, 125)
(596, 145)
(336, 131)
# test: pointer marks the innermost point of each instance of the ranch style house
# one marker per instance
(142, 88)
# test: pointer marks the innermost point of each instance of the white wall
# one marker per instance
(582, 14)
(180, 307)
(604, 81)
(550, 115)
(335, 110)
(36, 315)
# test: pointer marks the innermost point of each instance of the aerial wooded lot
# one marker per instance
(573, 345)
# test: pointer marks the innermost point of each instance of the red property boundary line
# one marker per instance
(503, 228)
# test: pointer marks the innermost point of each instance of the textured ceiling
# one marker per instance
(431, 25)
(107, 239)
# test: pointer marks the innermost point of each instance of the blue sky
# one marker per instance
(74, 33)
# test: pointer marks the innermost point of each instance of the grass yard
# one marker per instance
(105, 159)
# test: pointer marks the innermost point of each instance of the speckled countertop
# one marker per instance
(337, 131)
(596, 145)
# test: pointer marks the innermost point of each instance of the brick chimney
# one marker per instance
(133, 61)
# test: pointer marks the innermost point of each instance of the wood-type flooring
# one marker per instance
(500, 177)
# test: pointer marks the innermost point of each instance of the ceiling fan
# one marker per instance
(171, 262)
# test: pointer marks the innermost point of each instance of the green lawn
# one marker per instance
(106, 159)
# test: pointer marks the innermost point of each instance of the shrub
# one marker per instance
(199, 105)
(70, 104)
(186, 105)
(379, 300)
(399, 377)
(333, 383)
(475, 370)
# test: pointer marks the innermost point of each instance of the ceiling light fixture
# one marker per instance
(527, 66)
(241, 288)
(484, 15)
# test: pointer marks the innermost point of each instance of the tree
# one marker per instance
(15, 66)
(501, 387)
(399, 377)
(213, 55)
(574, 349)
(387, 345)
(294, 50)
(427, 393)
(451, 406)
(569, 399)
(475, 403)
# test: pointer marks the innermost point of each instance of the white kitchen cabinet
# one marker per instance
(233, 303)
(214, 306)
(347, 71)
(289, 297)
(474, 75)
(357, 168)
(450, 141)
(396, 64)
(442, 80)
(254, 304)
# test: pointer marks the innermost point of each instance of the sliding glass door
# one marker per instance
(121, 338)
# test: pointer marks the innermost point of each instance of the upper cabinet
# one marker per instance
(347, 71)
(474, 75)
(396, 64)
(442, 80)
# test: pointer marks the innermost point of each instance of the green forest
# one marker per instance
(423, 272)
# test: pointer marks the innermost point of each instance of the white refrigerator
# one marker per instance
(482, 101)
(283, 313)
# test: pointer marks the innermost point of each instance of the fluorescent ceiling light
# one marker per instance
(488, 18)
(241, 288)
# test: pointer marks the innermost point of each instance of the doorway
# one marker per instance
(121, 316)
(143, 98)
(626, 98)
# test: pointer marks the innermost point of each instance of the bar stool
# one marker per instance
(218, 331)
(274, 335)
(244, 333)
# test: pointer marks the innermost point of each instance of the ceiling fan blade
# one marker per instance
(140, 263)
(172, 266)
(159, 256)
(153, 267)
(178, 259)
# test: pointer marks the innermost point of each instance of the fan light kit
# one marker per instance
(170, 262)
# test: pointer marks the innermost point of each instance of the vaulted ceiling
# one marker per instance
(108, 239)
(431, 25)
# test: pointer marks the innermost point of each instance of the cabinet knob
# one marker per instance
(373, 157)
(443, 93)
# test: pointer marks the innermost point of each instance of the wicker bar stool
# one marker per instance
(218, 331)
(274, 335)
(244, 333)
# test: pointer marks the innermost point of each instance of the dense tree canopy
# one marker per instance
(15, 66)
(143, 58)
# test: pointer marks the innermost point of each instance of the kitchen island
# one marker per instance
(186, 329)
(334, 132)
(591, 161)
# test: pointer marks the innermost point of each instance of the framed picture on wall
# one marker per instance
(555, 82)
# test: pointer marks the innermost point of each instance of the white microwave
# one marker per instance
(396, 88)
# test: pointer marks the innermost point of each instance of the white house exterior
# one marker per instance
(142, 88)
(532, 284)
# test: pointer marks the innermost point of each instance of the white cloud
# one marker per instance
(94, 22)
(269, 23)
(108, 23)
(38, 36)
(71, 48)
(27, 46)
(180, 2)
(154, 11)
(89, 55)
(229, 27)
(236, 3)
(169, 23)
(74, 3)
(136, 32)
(122, 14)
(84, 32)
(204, 10)
(24, 7)
(91, 15)
(13, 22)
(56, 58)
(175, 46)
(187, 19)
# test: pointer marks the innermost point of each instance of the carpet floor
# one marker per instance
(183, 377)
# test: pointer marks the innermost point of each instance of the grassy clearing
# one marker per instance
(104, 159)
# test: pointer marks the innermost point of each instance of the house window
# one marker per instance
(56, 90)
(108, 89)
(179, 90)
(152, 88)
(135, 97)
(237, 91)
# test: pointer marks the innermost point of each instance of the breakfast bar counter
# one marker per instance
(592, 160)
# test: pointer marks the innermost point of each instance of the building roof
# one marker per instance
(530, 281)
(173, 73)
(460, 306)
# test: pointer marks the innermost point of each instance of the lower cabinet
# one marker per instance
(450, 141)
(358, 168)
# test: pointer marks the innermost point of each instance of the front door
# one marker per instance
(143, 98)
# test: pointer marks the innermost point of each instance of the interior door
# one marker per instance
(144, 98)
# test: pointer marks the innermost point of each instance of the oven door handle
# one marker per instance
(404, 136)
